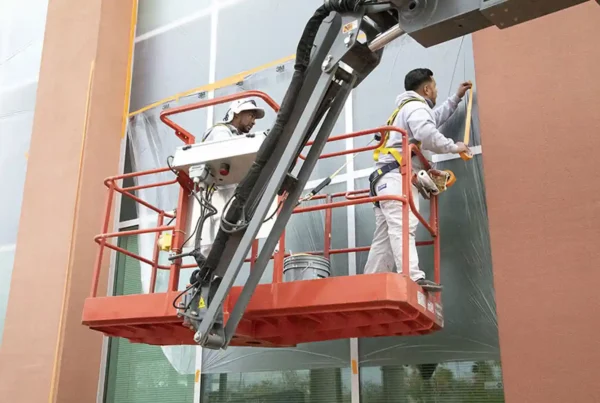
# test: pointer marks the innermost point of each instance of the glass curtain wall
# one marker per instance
(183, 47)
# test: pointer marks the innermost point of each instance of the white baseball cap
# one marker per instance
(243, 105)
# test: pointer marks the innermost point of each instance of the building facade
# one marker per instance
(515, 238)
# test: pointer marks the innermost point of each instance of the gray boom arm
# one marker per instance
(338, 63)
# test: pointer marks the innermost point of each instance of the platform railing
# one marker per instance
(350, 198)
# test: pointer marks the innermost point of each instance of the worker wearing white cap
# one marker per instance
(239, 119)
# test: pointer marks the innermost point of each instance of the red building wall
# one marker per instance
(539, 97)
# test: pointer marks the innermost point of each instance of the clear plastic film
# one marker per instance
(151, 142)
(304, 233)
(470, 331)
(22, 33)
(470, 325)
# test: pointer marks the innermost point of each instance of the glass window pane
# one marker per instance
(172, 62)
(464, 382)
(138, 372)
(300, 386)
(245, 28)
(156, 14)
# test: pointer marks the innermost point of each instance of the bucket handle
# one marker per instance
(308, 266)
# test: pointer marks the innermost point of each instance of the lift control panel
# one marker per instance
(227, 160)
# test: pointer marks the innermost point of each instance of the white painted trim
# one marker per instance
(198, 385)
(216, 6)
(129, 224)
(350, 177)
(20, 85)
(10, 247)
(212, 64)
(351, 219)
(355, 378)
(210, 117)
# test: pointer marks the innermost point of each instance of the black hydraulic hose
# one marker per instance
(244, 188)
(207, 210)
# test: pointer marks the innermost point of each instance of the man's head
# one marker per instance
(422, 82)
(243, 113)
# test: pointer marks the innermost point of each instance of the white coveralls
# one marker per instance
(421, 123)
(224, 193)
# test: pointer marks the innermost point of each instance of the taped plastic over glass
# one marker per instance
(470, 324)
(470, 321)
(152, 142)
(158, 14)
(22, 33)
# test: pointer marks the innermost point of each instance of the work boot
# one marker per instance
(429, 285)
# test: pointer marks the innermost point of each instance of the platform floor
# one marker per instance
(283, 314)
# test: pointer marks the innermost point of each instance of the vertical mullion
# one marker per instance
(210, 113)
(349, 123)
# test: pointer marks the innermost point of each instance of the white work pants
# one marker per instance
(386, 248)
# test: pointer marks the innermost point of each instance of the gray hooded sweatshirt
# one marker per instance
(421, 122)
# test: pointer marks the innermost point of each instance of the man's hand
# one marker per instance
(463, 88)
(462, 148)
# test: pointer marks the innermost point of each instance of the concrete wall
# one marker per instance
(539, 103)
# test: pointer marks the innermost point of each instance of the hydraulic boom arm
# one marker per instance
(330, 62)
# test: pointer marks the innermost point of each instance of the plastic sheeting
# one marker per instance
(151, 142)
(164, 67)
(21, 40)
(470, 328)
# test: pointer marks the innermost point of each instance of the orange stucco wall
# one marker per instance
(46, 354)
(539, 97)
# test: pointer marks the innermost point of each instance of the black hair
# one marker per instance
(417, 77)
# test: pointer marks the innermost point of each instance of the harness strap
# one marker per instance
(391, 150)
(209, 131)
(376, 175)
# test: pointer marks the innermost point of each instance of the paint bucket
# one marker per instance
(305, 267)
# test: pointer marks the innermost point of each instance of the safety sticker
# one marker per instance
(421, 298)
(430, 306)
(201, 303)
(351, 26)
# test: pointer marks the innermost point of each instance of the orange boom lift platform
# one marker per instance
(279, 314)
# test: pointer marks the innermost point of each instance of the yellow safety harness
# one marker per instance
(442, 179)
(382, 149)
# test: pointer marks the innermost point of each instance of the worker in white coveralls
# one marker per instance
(239, 120)
(415, 114)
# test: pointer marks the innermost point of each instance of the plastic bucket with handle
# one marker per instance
(305, 267)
